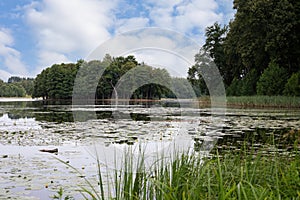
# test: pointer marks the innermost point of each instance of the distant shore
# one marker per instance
(268, 102)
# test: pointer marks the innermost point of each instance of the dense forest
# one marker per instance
(258, 53)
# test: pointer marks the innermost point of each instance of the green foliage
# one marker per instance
(160, 83)
(202, 75)
(181, 88)
(234, 88)
(55, 82)
(11, 90)
(243, 86)
(14, 79)
(28, 85)
(16, 87)
(261, 32)
(116, 68)
(239, 175)
(272, 81)
(102, 79)
(263, 101)
(214, 44)
(292, 87)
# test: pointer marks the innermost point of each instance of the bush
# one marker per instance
(234, 88)
(292, 87)
(272, 80)
(11, 90)
(245, 86)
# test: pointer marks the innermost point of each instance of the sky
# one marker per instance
(36, 34)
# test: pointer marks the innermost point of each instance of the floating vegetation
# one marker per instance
(28, 172)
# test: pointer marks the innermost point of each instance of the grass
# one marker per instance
(254, 101)
(264, 101)
(244, 175)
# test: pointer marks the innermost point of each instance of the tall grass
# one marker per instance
(263, 101)
(243, 175)
(252, 101)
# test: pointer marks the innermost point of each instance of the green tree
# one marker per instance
(204, 75)
(116, 69)
(261, 32)
(244, 86)
(292, 87)
(215, 37)
(182, 88)
(55, 82)
(272, 81)
(11, 90)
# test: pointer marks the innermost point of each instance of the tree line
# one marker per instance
(111, 77)
(258, 52)
(16, 87)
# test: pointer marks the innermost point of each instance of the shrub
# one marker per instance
(292, 87)
(245, 86)
(272, 80)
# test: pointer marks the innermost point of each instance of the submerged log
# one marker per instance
(50, 150)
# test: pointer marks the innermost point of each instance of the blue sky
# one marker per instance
(36, 34)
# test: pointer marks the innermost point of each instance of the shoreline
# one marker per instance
(241, 102)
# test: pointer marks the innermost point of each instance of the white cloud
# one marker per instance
(154, 46)
(129, 24)
(184, 16)
(66, 30)
(10, 57)
(63, 27)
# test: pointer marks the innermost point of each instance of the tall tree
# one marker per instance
(215, 37)
(261, 32)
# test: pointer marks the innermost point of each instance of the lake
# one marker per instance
(84, 133)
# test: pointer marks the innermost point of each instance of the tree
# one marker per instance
(116, 69)
(292, 87)
(204, 75)
(182, 88)
(14, 79)
(261, 32)
(55, 82)
(244, 86)
(215, 37)
(272, 81)
(11, 90)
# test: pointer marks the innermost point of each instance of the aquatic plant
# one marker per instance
(240, 175)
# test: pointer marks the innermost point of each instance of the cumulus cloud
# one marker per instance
(10, 57)
(155, 46)
(184, 16)
(63, 28)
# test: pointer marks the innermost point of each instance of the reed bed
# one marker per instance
(240, 175)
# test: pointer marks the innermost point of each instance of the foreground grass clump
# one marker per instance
(231, 176)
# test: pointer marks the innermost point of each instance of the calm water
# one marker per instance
(80, 132)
